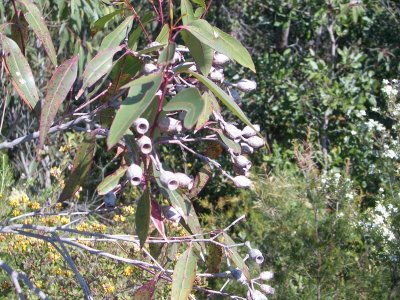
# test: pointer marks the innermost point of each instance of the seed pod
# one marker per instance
(238, 275)
(217, 76)
(167, 124)
(184, 180)
(233, 132)
(246, 85)
(177, 57)
(141, 125)
(255, 142)
(144, 144)
(171, 213)
(241, 181)
(269, 290)
(241, 171)
(256, 295)
(246, 149)
(220, 59)
(110, 199)
(134, 174)
(242, 162)
(149, 68)
(256, 255)
(266, 275)
(249, 132)
(169, 180)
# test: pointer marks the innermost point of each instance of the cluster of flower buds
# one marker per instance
(266, 289)
(254, 254)
(141, 126)
(172, 181)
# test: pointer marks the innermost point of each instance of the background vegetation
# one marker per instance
(324, 210)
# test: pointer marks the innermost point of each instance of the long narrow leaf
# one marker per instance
(184, 276)
(114, 38)
(142, 217)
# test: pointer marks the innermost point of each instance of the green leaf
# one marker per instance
(227, 141)
(20, 72)
(36, 21)
(111, 181)
(19, 30)
(146, 291)
(100, 23)
(189, 100)
(163, 36)
(234, 255)
(99, 66)
(224, 97)
(167, 54)
(81, 167)
(142, 217)
(134, 36)
(114, 38)
(201, 53)
(187, 12)
(214, 258)
(140, 96)
(221, 42)
(57, 89)
(202, 3)
(208, 99)
(184, 276)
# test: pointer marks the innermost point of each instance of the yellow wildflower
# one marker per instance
(16, 212)
(64, 220)
(109, 288)
(28, 221)
(58, 206)
(5, 285)
(128, 210)
(13, 202)
(119, 218)
(34, 205)
(128, 271)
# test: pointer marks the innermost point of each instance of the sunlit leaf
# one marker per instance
(167, 54)
(235, 257)
(208, 99)
(163, 36)
(35, 19)
(21, 74)
(57, 89)
(184, 276)
(140, 96)
(111, 181)
(114, 38)
(100, 23)
(134, 36)
(142, 217)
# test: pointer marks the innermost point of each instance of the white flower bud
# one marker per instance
(256, 295)
(255, 142)
(269, 290)
(184, 180)
(266, 275)
(246, 85)
(246, 149)
(149, 68)
(238, 275)
(171, 213)
(233, 132)
(167, 124)
(145, 144)
(242, 162)
(241, 181)
(134, 174)
(217, 76)
(220, 59)
(256, 255)
(169, 180)
(141, 125)
(249, 132)
(110, 199)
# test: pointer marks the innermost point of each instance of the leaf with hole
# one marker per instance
(57, 89)
(184, 275)
(36, 21)
(111, 181)
(190, 101)
(21, 74)
(221, 42)
(140, 96)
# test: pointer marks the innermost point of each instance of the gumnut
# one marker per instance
(238, 275)
(266, 275)
(184, 180)
(246, 85)
(149, 68)
(256, 295)
(241, 171)
(171, 213)
(177, 57)
(134, 174)
(110, 199)
(232, 132)
(220, 59)
(145, 145)
(169, 180)
(246, 148)
(241, 181)
(168, 124)
(141, 125)
(249, 132)
(269, 290)
(217, 75)
(256, 255)
(255, 142)
(242, 162)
